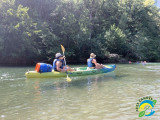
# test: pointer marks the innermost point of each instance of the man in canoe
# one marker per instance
(59, 65)
(92, 63)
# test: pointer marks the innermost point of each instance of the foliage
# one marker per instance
(32, 31)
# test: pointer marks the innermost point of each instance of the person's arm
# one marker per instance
(58, 65)
(94, 61)
(97, 65)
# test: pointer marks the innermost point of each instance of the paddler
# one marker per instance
(92, 63)
(58, 63)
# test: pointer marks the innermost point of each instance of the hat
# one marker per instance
(58, 55)
(92, 55)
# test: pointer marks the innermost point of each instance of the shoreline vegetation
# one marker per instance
(84, 64)
(117, 31)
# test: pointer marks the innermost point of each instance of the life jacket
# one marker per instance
(89, 62)
(54, 64)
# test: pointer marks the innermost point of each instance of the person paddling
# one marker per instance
(92, 63)
(58, 64)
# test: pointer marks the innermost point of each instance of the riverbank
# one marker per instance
(112, 60)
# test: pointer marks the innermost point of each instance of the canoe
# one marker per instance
(81, 71)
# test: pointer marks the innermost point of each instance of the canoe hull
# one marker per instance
(79, 72)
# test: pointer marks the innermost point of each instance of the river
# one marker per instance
(111, 96)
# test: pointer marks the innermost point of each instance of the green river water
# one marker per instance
(111, 96)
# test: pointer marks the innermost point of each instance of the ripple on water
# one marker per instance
(100, 97)
(9, 77)
(2, 116)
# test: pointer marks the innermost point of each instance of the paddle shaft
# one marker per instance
(63, 50)
(65, 62)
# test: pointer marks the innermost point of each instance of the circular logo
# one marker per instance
(145, 108)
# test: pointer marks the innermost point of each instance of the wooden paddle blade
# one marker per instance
(68, 79)
(63, 49)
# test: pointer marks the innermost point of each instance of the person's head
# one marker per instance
(92, 55)
(59, 56)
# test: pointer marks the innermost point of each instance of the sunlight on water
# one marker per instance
(111, 96)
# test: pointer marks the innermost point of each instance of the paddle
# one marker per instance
(63, 50)
(142, 113)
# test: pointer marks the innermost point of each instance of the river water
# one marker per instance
(111, 96)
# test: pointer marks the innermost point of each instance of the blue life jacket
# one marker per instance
(89, 62)
(54, 64)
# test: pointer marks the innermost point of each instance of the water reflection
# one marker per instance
(37, 91)
(77, 97)
(59, 84)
